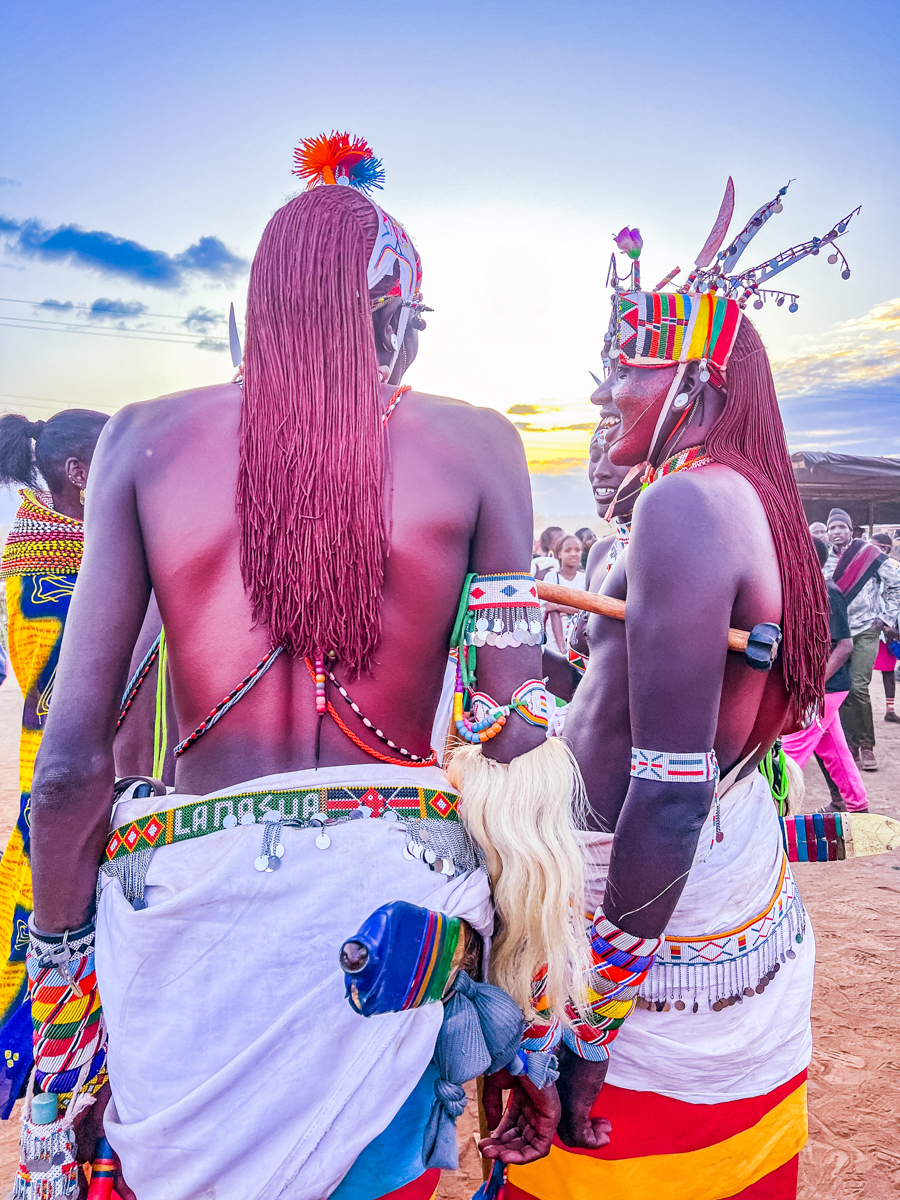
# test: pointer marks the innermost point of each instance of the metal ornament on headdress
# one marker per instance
(234, 340)
(342, 159)
(701, 318)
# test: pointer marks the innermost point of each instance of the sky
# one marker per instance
(144, 147)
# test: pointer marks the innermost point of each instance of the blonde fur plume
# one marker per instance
(524, 817)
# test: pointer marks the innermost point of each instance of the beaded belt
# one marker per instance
(724, 968)
(429, 816)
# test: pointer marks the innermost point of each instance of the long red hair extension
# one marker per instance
(749, 438)
(311, 474)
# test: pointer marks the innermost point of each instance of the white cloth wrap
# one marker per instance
(238, 1068)
(746, 1049)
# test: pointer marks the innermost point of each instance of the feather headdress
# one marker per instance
(338, 158)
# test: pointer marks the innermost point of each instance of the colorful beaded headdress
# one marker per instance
(700, 319)
(339, 158)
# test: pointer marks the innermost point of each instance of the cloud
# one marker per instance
(111, 255)
(202, 320)
(212, 344)
(524, 410)
(59, 305)
(111, 310)
(6, 182)
(865, 350)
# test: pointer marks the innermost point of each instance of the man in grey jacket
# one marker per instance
(870, 582)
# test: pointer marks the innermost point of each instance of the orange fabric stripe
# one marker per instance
(714, 1171)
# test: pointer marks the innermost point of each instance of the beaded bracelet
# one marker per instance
(530, 701)
(69, 1032)
(621, 962)
(536, 1057)
(689, 767)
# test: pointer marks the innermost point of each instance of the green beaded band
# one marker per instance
(297, 807)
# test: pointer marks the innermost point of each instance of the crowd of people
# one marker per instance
(303, 598)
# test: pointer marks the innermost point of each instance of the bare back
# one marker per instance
(161, 514)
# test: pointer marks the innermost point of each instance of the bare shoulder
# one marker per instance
(681, 506)
(153, 419)
(463, 417)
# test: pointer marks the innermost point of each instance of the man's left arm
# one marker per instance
(681, 591)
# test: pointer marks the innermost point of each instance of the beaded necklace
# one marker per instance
(411, 760)
(684, 460)
(42, 541)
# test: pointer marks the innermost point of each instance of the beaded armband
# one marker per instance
(503, 610)
(699, 767)
(674, 768)
(67, 1018)
(620, 965)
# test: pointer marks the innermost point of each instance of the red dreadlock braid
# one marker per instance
(310, 480)
(750, 439)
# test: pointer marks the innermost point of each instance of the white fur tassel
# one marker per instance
(524, 817)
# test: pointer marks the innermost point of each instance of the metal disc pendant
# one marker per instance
(679, 1004)
(274, 863)
(229, 822)
(261, 863)
(323, 841)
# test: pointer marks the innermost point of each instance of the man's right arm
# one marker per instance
(74, 775)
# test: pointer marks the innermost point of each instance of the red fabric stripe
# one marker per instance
(780, 1184)
(647, 1123)
(422, 1188)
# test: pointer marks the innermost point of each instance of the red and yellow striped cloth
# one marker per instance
(661, 1147)
(423, 1188)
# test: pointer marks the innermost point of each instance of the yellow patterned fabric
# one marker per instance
(37, 603)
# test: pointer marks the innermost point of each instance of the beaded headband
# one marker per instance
(344, 160)
(700, 319)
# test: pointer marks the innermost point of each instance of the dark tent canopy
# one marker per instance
(868, 488)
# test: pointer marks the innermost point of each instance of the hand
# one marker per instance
(579, 1085)
(524, 1133)
(88, 1130)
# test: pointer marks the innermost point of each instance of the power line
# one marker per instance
(190, 338)
(87, 308)
(122, 334)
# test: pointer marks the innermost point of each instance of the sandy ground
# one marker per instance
(854, 1088)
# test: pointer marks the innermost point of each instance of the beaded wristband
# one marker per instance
(621, 962)
(503, 610)
(69, 1032)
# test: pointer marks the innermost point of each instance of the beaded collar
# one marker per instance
(41, 540)
(684, 460)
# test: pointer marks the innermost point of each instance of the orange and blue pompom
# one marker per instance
(338, 158)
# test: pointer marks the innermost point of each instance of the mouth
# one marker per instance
(604, 493)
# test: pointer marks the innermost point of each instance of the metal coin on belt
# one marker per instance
(323, 841)
(229, 822)
(274, 863)
(261, 863)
